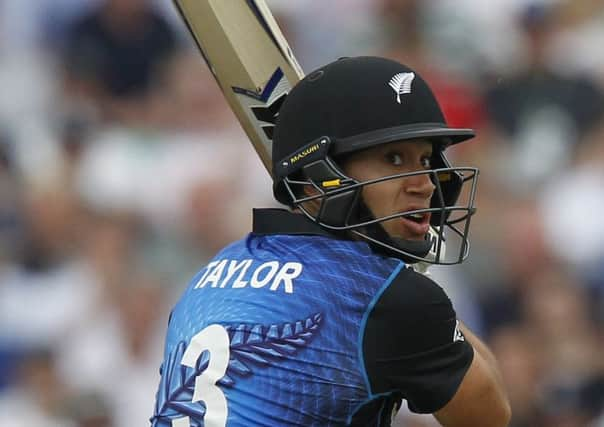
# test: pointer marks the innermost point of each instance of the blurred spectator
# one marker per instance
(39, 395)
(473, 37)
(550, 358)
(332, 35)
(578, 193)
(523, 255)
(88, 409)
(557, 310)
(560, 315)
(74, 132)
(10, 229)
(31, 25)
(119, 348)
(519, 361)
(573, 405)
(112, 53)
(43, 293)
(577, 47)
(542, 113)
(127, 170)
(184, 97)
(115, 343)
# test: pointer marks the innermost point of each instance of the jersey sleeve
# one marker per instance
(412, 344)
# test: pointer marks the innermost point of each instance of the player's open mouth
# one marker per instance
(418, 223)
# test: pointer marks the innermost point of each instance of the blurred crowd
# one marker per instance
(122, 170)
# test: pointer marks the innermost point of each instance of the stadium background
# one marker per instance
(122, 170)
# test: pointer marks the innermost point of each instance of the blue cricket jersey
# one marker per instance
(273, 332)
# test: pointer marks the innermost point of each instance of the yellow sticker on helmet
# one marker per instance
(332, 183)
(444, 177)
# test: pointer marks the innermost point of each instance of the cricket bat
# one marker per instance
(249, 58)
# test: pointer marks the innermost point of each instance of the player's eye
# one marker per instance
(427, 162)
(394, 158)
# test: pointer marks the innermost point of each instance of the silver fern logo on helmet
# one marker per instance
(401, 84)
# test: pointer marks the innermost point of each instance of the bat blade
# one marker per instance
(249, 58)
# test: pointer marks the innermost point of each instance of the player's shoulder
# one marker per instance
(414, 294)
(357, 259)
(420, 308)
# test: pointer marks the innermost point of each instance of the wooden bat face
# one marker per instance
(249, 58)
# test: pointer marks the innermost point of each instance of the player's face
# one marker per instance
(400, 194)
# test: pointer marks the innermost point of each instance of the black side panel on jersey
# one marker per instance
(377, 413)
(410, 344)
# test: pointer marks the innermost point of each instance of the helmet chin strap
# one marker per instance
(423, 266)
(417, 248)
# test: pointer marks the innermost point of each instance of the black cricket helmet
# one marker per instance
(354, 104)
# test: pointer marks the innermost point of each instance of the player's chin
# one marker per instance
(410, 230)
(407, 235)
(413, 237)
(416, 238)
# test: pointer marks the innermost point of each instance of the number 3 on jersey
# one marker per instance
(214, 339)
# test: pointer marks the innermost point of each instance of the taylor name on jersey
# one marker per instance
(234, 274)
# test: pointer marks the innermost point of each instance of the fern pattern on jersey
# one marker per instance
(251, 347)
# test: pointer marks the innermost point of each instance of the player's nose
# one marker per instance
(419, 185)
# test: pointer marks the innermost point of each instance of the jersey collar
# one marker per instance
(282, 221)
